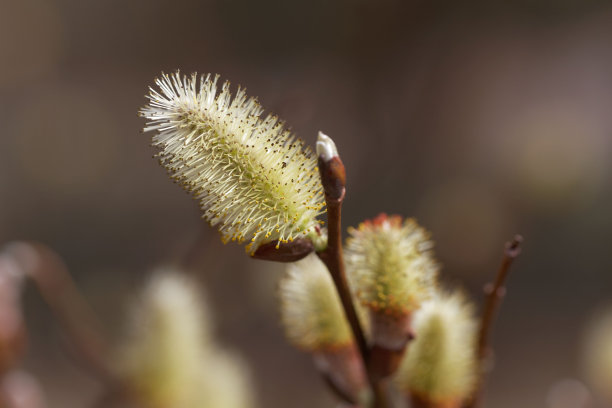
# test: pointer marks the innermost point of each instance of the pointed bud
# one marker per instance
(326, 148)
(331, 168)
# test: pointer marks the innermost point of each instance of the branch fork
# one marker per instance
(333, 178)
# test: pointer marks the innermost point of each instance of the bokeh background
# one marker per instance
(480, 118)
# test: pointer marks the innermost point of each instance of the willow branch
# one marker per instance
(333, 259)
(333, 178)
(49, 273)
(494, 293)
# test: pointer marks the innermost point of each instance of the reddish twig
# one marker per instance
(333, 180)
(333, 259)
(494, 293)
(49, 273)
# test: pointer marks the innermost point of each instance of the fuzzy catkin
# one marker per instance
(162, 356)
(390, 264)
(311, 311)
(441, 364)
(253, 179)
(170, 358)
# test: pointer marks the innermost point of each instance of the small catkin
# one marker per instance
(390, 264)
(311, 311)
(441, 364)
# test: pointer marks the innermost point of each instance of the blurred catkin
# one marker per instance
(311, 311)
(170, 358)
(440, 365)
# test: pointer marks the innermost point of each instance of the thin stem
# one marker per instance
(50, 275)
(333, 179)
(494, 293)
(333, 259)
(332, 256)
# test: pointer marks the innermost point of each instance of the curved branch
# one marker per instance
(49, 274)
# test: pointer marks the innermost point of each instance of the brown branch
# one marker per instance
(333, 259)
(494, 293)
(49, 273)
(333, 180)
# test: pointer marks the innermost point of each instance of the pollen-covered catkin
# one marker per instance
(253, 179)
(390, 264)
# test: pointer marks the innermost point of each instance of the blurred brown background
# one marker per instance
(480, 118)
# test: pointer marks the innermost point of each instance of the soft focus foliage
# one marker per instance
(254, 180)
(598, 354)
(440, 364)
(170, 358)
(311, 311)
(224, 383)
(390, 264)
